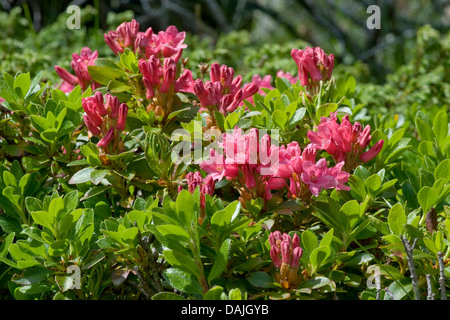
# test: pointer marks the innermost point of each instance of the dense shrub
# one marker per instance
(170, 169)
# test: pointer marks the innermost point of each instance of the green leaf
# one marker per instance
(97, 176)
(82, 176)
(280, 118)
(427, 198)
(231, 120)
(309, 241)
(443, 170)
(319, 283)
(324, 110)
(261, 279)
(182, 262)
(22, 84)
(327, 238)
(424, 129)
(214, 293)
(167, 296)
(185, 208)
(182, 281)
(9, 179)
(33, 204)
(373, 183)
(350, 214)
(397, 219)
(50, 135)
(39, 123)
(103, 75)
(318, 257)
(6, 243)
(220, 261)
(44, 219)
(440, 127)
(176, 232)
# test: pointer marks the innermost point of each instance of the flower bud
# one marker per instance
(66, 76)
(103, 143)
(123, 110)
(91, 126)
(214, 72)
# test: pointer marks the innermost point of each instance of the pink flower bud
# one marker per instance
(98, 101)
(185, 82)
(200, 91)
(91, 126)
(90, 110)
(149, 92)
(372, 153)
(273, 237)
(226, 76)
(296, 255)
(274, 254)
(112, 105)
(295, 241)
(103, 143)
(123, 110)
(365, 137)
(249, 90)
(208, 185)
(66, 76)
(111, 41)
(214, 72)
(285, 252)
(170, 71)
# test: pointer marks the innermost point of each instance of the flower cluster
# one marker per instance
(223, 92)
(79, 64)
(304, 173)
(164, 44)
(161, 80)
(286, 253)
(206, 186)
(313, 65)
(246, 161)
(344, 141)
(256, 167)
(105, 117)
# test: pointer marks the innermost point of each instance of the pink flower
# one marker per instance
(344, 141)
(313, 65)
(317, 177)
(287, 75)
(206, 185)
(171, 42)
(80, 63)
(103, 115)
(223, 92)
(123, 37)
(159, 78)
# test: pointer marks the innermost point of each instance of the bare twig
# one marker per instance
(442, 276)
(430, 295)
(412, 269)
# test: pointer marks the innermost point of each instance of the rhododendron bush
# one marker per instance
(157, 179)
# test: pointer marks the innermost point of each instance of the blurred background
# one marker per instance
(249, 35)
